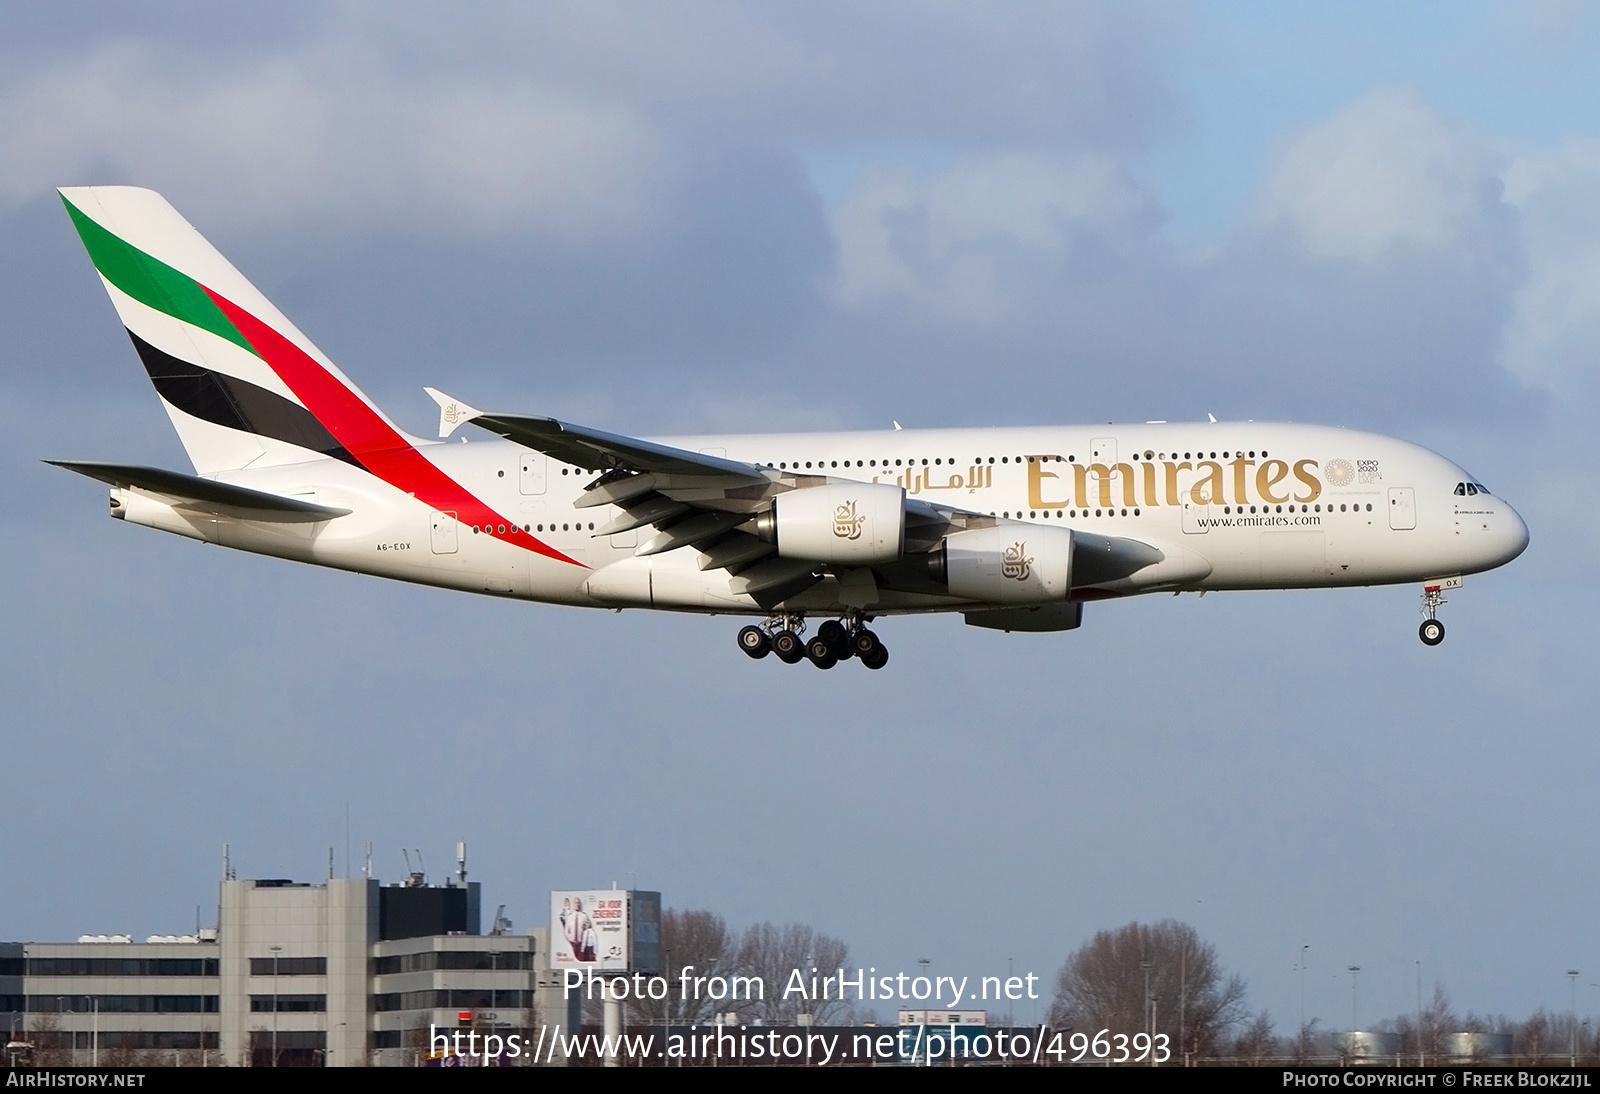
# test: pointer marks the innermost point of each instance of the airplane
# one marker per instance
(1013, 528)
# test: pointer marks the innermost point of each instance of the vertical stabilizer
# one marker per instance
(242, 385)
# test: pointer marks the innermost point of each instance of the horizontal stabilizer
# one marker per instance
(207, 495)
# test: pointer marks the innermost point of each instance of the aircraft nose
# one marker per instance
(1502, 537)
(1512, 533)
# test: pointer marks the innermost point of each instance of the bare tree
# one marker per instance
(790, 956)
(1534, 1038)
(1104, 985)
(699, 941)
(1304, 1046)
(1437, 1020)
(52, 1046)
(1257, 1042)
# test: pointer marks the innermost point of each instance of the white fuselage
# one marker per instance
(1231, 505)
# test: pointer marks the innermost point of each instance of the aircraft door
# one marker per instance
(444, 533)
(1104, 450)
(1402, 508)
(1196, 517)
(533, 467)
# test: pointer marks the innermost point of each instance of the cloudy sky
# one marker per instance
(705, 216)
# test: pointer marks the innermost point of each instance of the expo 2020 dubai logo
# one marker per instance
(1338, 472)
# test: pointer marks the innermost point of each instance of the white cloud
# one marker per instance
(1553, 337)
(316, 134)
(1386, 169)
(958, 240)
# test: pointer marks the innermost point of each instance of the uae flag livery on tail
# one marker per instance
(242, 385)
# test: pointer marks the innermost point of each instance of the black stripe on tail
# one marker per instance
(237, 404)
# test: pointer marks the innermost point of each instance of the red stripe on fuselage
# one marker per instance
(370, 439)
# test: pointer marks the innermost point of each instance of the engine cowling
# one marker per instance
(1010, 564)
(851, 524)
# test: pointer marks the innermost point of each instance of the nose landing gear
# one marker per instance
(1432, 631)
(835, 641)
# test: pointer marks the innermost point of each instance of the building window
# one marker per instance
(122, 1004)
(122, 966)
(289, 966)
(288, 1004)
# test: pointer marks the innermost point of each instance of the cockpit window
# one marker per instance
(1471, 489)
(1461, 489)
(1482, 489)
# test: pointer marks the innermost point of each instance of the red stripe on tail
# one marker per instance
(370, 439)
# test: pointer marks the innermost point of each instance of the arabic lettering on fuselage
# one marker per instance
(1054, 483)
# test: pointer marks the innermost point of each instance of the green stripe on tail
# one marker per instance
(151, 281)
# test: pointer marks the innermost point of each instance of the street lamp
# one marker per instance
(1354, 970)
(1420, 1062)
(276, 950)
(923, 963)
(1303, 950)
(1145, 965)
(1572, 979)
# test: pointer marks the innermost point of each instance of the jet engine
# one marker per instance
(851, 524)
(1009, 564)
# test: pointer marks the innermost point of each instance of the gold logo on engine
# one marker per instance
(847, 522)
(1015, 563)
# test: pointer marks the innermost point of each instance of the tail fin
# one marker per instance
(242, 385)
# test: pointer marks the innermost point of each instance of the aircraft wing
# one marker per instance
(195, 494)
(585, 447)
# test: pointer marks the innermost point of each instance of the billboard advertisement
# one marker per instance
(589, 929)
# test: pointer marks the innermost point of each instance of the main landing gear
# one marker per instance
(1432, 631)
(833, 642)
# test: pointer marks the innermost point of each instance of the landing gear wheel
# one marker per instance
(838, 639)
(863, 642)
(786, 644)
(821, 653)
(1431, 632)
(878, 658)
(754, 642)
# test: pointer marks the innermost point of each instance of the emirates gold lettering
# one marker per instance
(1014, 562)
(1172, 470)
(847, 522)
(1105, 473)
(1239, 465)
(1036, 476)
(1208, 490)
(1310, 481)
(1161, 487)
(1268, 475)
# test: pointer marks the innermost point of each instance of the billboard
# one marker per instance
(589, 929)
(606, 930)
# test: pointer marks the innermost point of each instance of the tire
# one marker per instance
(754, 642)
(876, 659)
(863, 642)
(1431, 632)
(786, 644)
(838, 639)
(821, 653)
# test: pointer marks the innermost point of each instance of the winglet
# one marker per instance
(452, 412)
